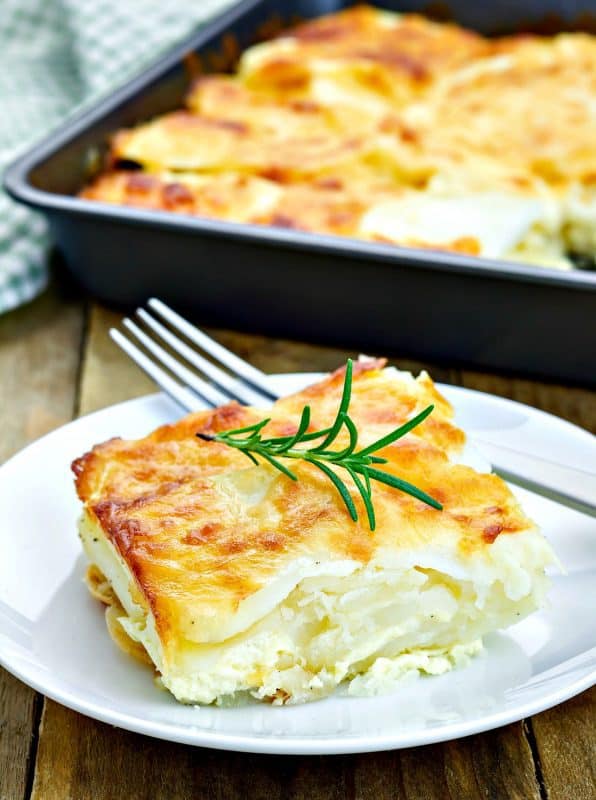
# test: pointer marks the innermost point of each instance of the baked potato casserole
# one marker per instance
(387, 127)
(234, 581)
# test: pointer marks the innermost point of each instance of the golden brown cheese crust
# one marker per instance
(169, 503)
(343, 112)
(213, 96)
(185, 141)
(232, 196)
(394, 57)
(532, 105)
(325, 205)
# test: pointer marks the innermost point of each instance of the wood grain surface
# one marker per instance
(39, 362)
(57, 361)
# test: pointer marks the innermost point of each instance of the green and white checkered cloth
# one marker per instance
(55, 56)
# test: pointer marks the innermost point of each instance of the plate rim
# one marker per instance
(271, 744)
(291, 744)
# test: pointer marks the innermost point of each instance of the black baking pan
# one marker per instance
(376, 297)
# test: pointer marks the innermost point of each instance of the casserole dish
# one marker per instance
(432, 305)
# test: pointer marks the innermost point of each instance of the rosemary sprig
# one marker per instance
(361, 465)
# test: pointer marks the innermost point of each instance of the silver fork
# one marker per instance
(246, 384)
(232, 378)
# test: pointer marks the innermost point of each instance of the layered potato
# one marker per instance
(233, 580)
(387, 127)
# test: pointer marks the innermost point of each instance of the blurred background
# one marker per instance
(531, 219)
(56, 56)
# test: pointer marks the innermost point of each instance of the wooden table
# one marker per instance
(57, 362)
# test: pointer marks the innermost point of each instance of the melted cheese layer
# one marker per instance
(370, 626)
(387, 127)
(236, 579)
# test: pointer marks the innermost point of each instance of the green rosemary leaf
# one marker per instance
(365, 494)
(367, 479)
(249, 440)
(342, 411)
(346, 395)
(397, 434)
(302, 428)
(308, 437)
(404, 486)
(353, 432)
(340, 486)
(277, 464)
(256, 428)
(340, 455)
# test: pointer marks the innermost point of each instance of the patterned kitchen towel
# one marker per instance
(55, 57)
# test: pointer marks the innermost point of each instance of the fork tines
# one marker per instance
(188, 377)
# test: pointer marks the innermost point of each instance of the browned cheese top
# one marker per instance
(201, 529)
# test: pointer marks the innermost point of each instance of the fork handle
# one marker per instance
(575, 488)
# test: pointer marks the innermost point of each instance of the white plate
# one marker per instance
(53, 636)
